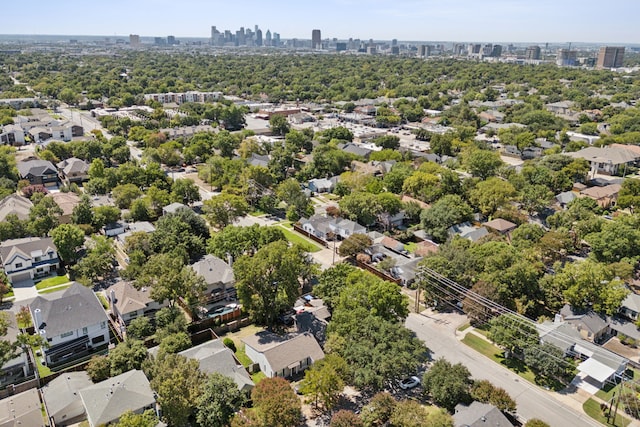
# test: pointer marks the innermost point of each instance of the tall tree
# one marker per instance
(219, 399)
(323, 382)
(275, 403)
(222, 210)
(269, 282)
(67, 238)
(447, 384)
(169, 280)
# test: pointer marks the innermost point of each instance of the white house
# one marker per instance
(128, 303)
(219, 277)
(12, 135)
(282, 356)
(29, 258)
(72, 321)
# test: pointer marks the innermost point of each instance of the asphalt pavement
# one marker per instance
(438, 331)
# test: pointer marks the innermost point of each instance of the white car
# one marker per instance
(409, 383)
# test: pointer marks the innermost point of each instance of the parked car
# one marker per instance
(409, 383)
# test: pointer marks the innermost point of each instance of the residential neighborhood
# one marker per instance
(383, 236)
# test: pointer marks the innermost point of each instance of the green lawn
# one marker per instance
(257, 213)
(103, 301)
(464, 327)
(258, 376)
(43, 371)
(242, 356)
(294, 238)
(59, 288)
(592, 408)
(287, 224)
(52, 281)
(411, 246)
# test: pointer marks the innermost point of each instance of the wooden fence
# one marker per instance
(310, 236)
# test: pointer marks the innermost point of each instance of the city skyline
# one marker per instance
(517, 21)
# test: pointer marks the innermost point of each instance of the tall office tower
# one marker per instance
(258, 37)
(134, 39)
(610, 57)
(496, 52)
(566, 58)
(267, 38)
(422, 51)
(171, 40)
(532, 53)
(276, 39)
(316, 39)
(394, 42)
(216, 37)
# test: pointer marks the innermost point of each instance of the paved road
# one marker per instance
(438, 332)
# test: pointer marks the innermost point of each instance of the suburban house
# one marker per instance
(38, 172)
(323, 227)
(321, 185)
(479, 415)
(127, 303)
(135, 227)
(17, 368)
(592, 326)
(564, 198)
(607, 160)
(358, 150)
(214, 356)
(219, 277)
(468, 231)
(67, 202)
(501, 226)
(630, 307)
(22, 409)
(173, 208)
(40, 134)
(282, 356)
(29, 258)
(345, 228)
(106, 401)
(259, 160)
(606, 196)
(12, 135)
(72, 321)
(61, 398)
(561, 107)
(73, 170)
(16, 205)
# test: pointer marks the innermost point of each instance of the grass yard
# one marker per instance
(294, 238)
(242, 356)
(43, 371)
(56, 289)
(103, 301)
(52, 281)
(592, 408)
(257, 377)
(411, 246)
(464, 327)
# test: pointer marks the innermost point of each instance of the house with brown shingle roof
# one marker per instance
(16, 205)
(128, 303)
(606, 196)
(500, 225)
(282, 356)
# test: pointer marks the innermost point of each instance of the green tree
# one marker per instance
(332, 281)
(279, 124)
(484, 391)
(344, 418)
(175, 343)
(269, 282)
(219, 399)
(391, 142)
(447, 384)
(289, 191)
(512, 333)
(178, 382)
(82, 213)
(535, 198)
(98, 262)
(236, 241)
(140, 328)
(67, 238)
(446, 212)
(104, 215)
(125, 194)
(547, 361)
(185, 191)
(617, 240)
(99, 368)
(275, 403)
(354, 244)
(492, 194)
(43, 216)
(409, 413)
(535, 422)
(482, 163)
(126, 356)
(146, 419)
(222, 210)
(169, 280)
(323, 383)
(379, 410)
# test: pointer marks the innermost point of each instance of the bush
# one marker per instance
(228, 342)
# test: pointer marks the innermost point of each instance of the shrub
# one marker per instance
(228, 342)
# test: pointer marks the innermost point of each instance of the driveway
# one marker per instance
(438, 331)
(25, 290)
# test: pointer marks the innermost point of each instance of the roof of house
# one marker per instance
(566, 197)
(73, 165)
(127, 298)
(409, 199)
(391, 243)
(321, 183)
(66, 201)
(426, 247)
(21, 409)
(598, 193)
(214, 270)
(36, 168)
(351, 226)
(500, 225)
(468, 231)
(632, 302)
(319, 222)
(259, 160)
(62, 392)
(590, 320)
(74, 308)
(174, 207)
(479, 415)
(26, 247)
(106, 401)
(11, 128)
(355, 149)
(16, 205)
(613, 155)
(631, 147)
(214, 356)
(280, 352)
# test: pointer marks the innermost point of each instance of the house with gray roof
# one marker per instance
(318, 225)
(468, 231)
(219, 277)
(16, 205)
(106, 401)
(356, 149)
(127, 302)
(29, 258)
(345, 228)
(592, 326)
(22, 409)
(565, 198)
(282, 356)
(61, 398)
(12, 135)
(630, 307)
(607, 160)
(40, 172)
(479, 415)
(214, 356)
(321, 185)
(173, 208)
(15, 370)
(259, 160)
(72, 321)
(73, 170)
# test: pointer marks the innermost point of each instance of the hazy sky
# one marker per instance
(606, 21)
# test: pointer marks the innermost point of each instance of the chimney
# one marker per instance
(112, 295)
(37, 318)
(229, 259)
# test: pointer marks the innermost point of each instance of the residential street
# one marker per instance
(438, 331)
